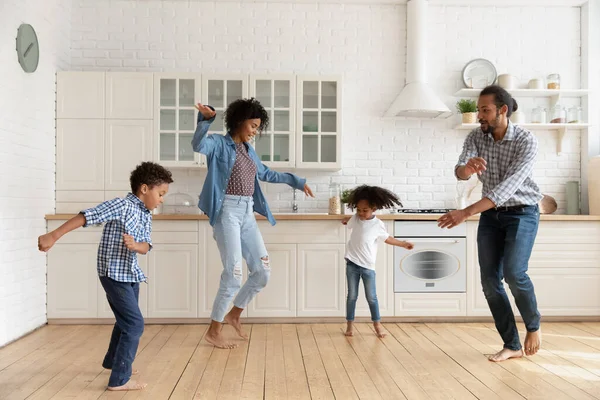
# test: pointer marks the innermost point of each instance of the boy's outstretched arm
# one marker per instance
(400, 243)
(45, 242)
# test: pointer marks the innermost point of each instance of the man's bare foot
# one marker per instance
(505, 354)
(217, 340)
(349, 329)
(533, 341)
(130, 385)
(234, 321)
(379, 330)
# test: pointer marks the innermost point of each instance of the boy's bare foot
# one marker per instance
(533, 341)
(215, 337)
(234, 320)
(379, 330)
(130, 385)
(505, 354)
(349, 329)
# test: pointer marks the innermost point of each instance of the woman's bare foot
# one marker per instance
(533, 341)
(349, 329)
(379, 330)
(233, 319)
(130, 385)
(505, 354)
(215, 337)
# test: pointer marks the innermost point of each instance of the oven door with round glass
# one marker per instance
(435, 264)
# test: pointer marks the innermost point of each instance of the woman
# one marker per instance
(230, 195)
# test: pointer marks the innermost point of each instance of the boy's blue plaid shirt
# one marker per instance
(128, 215)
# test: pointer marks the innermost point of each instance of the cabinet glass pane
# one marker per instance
(270, 127)
(263, 147)
(281, 147)
(328, 94)
(282, 94)
(328, 121)
(281, 122)
(234, 91)
(328, 152)
(310, 148)
(263, 93)
(216, 97)
(167, 147)
(167, 92)
(310, 121)
(186, 92)
(186, 153)
(217, 124)
(186, 120)
(167, 120)
(310, 95)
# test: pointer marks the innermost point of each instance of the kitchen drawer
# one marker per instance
(303, 232)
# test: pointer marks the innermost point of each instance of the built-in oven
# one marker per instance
(437, 263)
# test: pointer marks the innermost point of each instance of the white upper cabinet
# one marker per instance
(80, 94)
(129, 95)
(175, 116)
(318, 128)
(277, 94)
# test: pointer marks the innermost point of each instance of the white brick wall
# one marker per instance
(27, 154)
(366, 44)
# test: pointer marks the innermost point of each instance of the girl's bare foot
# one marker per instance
(234, 320)
(379, 330)
(533, 341)
(505, 354)
(349, 331)
(130, 385)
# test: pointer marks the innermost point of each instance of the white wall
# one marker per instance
(366, 44)
(27, 153)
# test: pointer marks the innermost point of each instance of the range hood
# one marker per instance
(417, 99)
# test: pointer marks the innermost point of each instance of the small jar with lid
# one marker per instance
(574, 115)
(335, 203)
(553, 81)
(558, 115)
(538, 115)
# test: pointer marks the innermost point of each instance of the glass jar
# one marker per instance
(538, 115)
(575, 115)
(553, 81)
(179, 203)
(335, 203)
(558, 115)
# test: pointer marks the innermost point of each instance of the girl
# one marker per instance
(361, 251)
(230, 196)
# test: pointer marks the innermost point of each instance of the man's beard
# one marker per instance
(490, 128)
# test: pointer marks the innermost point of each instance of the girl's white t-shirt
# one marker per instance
(365, 235)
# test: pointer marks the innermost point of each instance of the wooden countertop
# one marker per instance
(326, 217)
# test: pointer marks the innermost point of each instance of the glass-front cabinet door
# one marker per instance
(220, 90)
(318, 133)
(175, 118)
(277, 94)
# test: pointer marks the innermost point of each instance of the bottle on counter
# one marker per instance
(335, 202)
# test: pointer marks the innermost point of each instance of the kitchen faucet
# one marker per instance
(295, 204)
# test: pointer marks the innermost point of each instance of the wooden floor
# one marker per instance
(416, 361)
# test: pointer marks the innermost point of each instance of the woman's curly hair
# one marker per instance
(243, 109)
(377, 197)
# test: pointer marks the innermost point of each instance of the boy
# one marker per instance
(126, 233)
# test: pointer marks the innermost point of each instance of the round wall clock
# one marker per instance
(28, 49)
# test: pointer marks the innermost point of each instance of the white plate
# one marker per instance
(479, 73)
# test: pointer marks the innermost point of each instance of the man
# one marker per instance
(503, 155)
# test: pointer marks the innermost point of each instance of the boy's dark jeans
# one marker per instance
(123, 300)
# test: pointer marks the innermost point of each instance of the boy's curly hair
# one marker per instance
(243, 109)
(149, 173)
(377, 197)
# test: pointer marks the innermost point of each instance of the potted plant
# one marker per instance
(468, 109)
(344, 198)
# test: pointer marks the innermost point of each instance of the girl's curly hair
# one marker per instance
(243, 109)
(377, 197)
